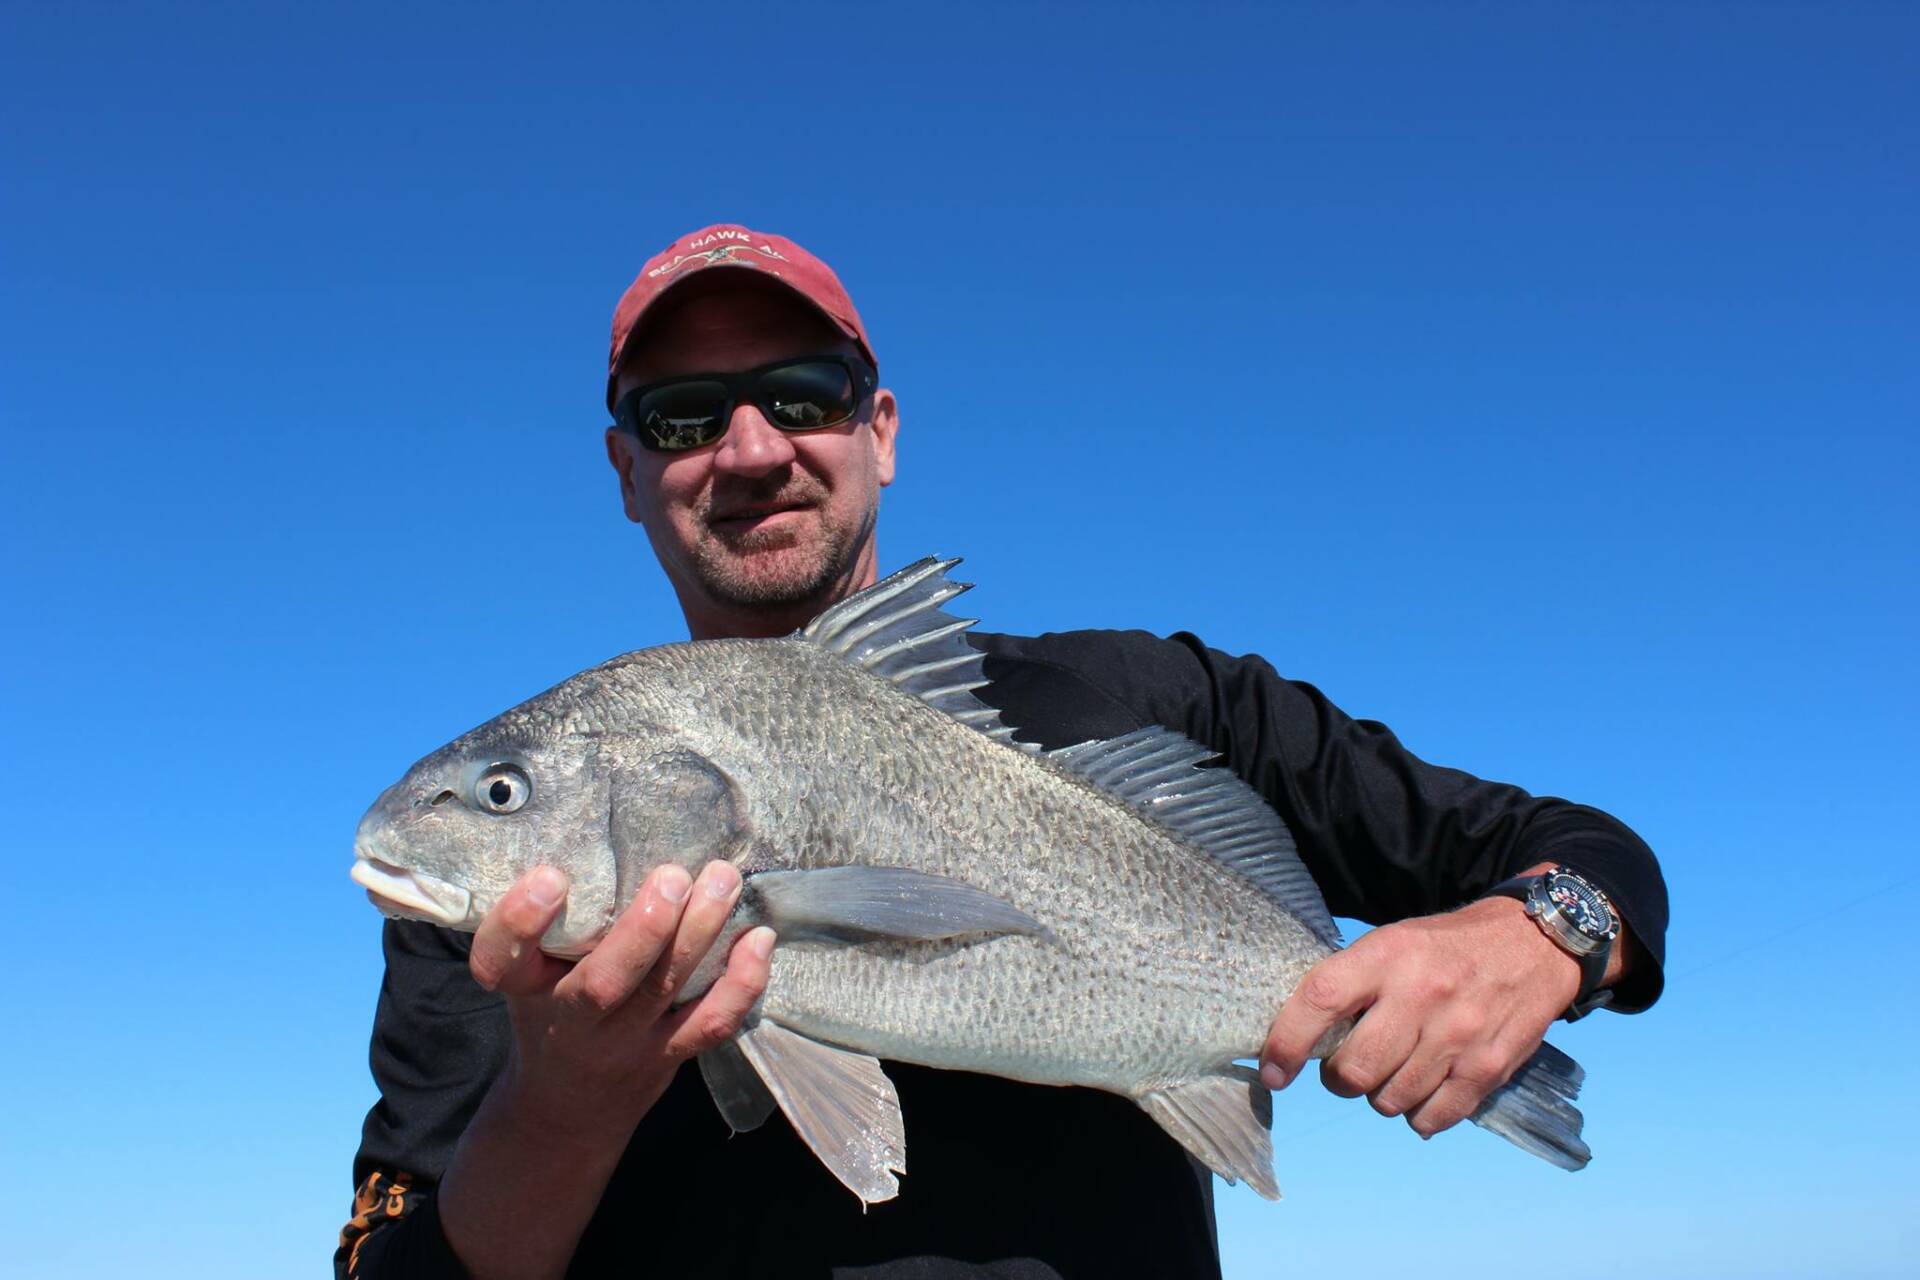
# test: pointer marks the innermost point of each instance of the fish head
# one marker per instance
(446, 842)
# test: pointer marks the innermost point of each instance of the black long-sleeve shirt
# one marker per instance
(1008, 1180)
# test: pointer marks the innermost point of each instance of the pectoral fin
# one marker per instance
(742, 1100)
(1223, 1122)
(840, 1103)
(857, 904)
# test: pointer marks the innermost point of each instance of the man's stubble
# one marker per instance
(783, 566)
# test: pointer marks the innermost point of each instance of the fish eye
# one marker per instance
(503, 788)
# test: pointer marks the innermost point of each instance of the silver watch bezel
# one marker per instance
(1561, 927)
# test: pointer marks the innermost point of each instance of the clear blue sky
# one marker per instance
(1539, 379)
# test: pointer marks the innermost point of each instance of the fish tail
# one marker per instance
(1534, 1110)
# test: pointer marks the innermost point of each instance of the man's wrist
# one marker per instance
(524, 1180)
(1620, 962)
(1549, 962)
(571, 1116)
(1572, 921)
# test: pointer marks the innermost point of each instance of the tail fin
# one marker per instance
(1535, 1112)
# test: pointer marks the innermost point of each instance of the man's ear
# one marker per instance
(620, 454)
(885, 428)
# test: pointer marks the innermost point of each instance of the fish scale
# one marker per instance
(1108, 914)
(1075, 1012)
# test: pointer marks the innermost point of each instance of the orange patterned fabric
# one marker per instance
(382, 1197)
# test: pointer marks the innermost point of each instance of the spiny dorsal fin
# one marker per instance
(897, 630)
(1156, 771)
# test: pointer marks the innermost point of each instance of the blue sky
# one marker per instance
(1538, 379)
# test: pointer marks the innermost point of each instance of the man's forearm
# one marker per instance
(596, 1044)
(520, 1191)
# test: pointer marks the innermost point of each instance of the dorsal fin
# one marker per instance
(1156, 772)
(896, 630)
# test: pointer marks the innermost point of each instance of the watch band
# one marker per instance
(1593, 964)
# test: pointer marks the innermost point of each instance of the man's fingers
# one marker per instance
(708, 907)
(1424, 1071)
(614, 970)
(506, 955)
(1333, 990)
(1475, 1074)
(717, 1015)
(1378, 1046)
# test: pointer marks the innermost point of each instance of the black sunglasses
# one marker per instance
(808, 393)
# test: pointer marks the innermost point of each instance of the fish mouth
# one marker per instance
(411, 895)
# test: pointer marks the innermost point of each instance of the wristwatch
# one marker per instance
(1576, 915)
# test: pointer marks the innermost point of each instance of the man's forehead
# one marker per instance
(737, 320)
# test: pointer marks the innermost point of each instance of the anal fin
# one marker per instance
(1223, 1121)
(840, 1103)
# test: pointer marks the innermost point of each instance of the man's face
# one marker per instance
(763, 528)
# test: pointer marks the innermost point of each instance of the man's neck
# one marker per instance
(746, 624)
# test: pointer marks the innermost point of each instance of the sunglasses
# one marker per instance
(804, 394)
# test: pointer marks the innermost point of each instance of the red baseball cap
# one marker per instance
(728, 244)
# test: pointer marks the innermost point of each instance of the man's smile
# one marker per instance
(757, 518)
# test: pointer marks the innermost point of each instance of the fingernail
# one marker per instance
(721, 880)
(760, 942)
(673, 883)
(545, 886)
(1272, 1076)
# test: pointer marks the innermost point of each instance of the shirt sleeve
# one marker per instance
(438, 1042)
(1385, 834)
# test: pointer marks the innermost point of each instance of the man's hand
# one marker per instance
(598, 1040)
(596, 1043)
(1449, 1006)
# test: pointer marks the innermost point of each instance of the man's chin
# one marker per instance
(766, 567)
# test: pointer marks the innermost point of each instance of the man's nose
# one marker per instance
(752, 446)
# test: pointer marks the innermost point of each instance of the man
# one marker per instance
(554, 1126)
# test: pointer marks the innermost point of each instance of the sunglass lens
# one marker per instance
(683, 415)
(808, 395)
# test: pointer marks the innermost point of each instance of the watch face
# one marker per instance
(1584, 906)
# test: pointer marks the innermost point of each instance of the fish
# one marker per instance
(1112, 914)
